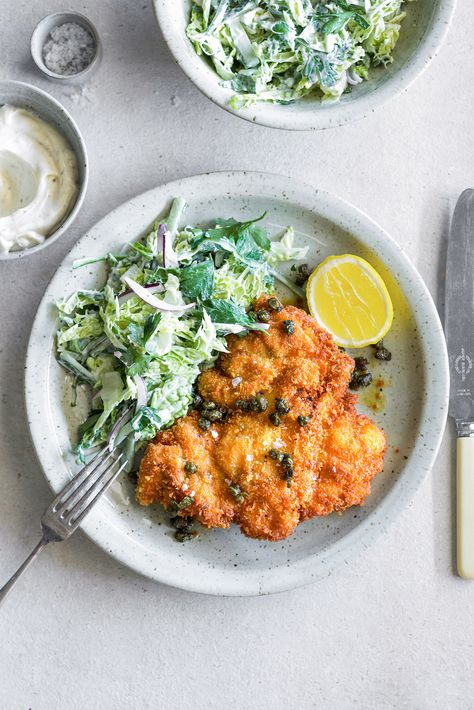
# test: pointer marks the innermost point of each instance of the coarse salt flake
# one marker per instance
(69, 50)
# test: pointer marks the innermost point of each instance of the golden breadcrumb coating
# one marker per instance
(334, 453)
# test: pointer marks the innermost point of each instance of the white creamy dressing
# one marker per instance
(38, 178)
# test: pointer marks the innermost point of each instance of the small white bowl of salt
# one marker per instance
(65, 46)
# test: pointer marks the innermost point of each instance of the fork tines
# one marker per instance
(76, 499)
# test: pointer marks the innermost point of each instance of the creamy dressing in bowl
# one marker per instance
(38, 179)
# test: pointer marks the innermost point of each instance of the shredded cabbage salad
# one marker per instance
(168, 301)
(282, 50)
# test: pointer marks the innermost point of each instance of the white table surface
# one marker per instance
(395, 629)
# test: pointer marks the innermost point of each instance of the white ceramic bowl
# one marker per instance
(17, 93)
(422, 34)
(414, 415)
(41, 34)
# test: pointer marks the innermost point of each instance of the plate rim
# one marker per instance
(313, 566)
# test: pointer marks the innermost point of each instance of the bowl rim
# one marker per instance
(329, 116)
(42, 66)
(82, 160)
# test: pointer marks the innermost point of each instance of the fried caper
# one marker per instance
(304, 272)
(215, 415)
(242, 404)
(275, 419)
(263, 315)
(282, 406)
(275, 454)
(274, 304)
(184, 535)
(198, 401)
(303, 421)
(204, 424)
(261, 403)
(208, 406)
(360, 380)
(382, 353)
(361, 363)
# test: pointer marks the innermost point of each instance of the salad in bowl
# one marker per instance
(303, 64)
(283, 50)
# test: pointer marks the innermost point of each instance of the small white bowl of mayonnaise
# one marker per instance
(43, 169)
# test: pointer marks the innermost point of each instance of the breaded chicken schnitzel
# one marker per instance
(286, 444)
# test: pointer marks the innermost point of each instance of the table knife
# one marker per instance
(459, 328)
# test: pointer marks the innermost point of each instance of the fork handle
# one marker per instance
(8, 586)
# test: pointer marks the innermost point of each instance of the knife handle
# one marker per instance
(465, 507)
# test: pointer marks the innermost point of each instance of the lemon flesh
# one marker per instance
(347, 297)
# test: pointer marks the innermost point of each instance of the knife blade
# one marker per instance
(459, 329)
(459, 315)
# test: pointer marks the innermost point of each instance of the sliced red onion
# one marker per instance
(142, 394)
(162, 235)
(236, 381)
(147, 297)
(151, 288)
(121, 421)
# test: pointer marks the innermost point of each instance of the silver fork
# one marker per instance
(68, 509)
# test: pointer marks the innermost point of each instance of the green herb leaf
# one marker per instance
(136, 361)
(146, 422)
(151, 324)
(135, 334)
(222, 311)
(88, 424)
(247, 246)
(260, 236)
(280, 28)
(141, 249)
(232, 229)
(139, 336)
(361, 21)
(333, 22)
(243, 83)
(336, 23)
(197, 280)
(160, 275)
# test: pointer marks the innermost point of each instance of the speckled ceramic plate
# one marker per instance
(413, 413)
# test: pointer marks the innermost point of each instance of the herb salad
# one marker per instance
(280, 51)
(168, 301)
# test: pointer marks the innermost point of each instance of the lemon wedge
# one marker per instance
(347, 297)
